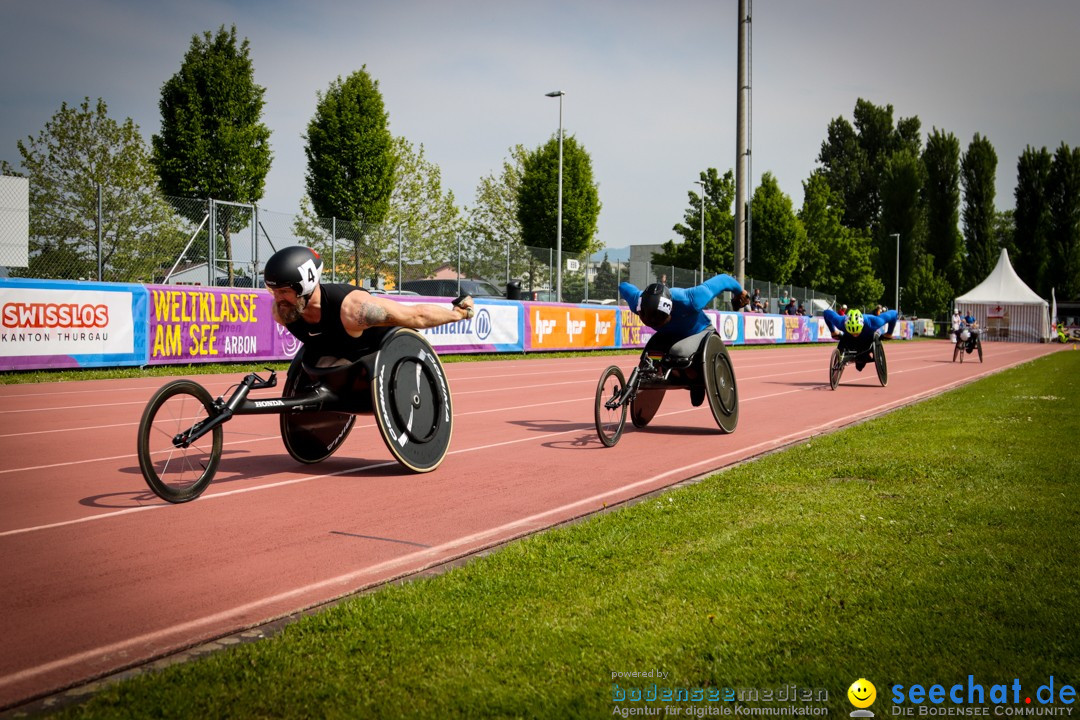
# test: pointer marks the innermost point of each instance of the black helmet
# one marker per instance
(297, 267)
(654, 306)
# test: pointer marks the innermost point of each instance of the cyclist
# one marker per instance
(336, 320)
(857, 331)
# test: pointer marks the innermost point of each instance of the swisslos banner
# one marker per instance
(59, 324)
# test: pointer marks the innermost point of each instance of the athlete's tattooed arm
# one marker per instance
(362, 310)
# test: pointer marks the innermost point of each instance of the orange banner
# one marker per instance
(553, 327)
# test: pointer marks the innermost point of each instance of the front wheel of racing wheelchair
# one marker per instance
(845, 352)
(699, 363)
(401, 381)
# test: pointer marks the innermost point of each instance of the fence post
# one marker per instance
(100, 230)
(398, 283)
(333, 249)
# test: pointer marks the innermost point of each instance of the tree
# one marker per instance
(80, 151)
(1063, 239)
(941, 197)
(853, 158)
(902, 181)
(778, 235)
(1032, 218)
(605, 282)
(494, 230)
(350, 152)
(425, 215)
(213, 144)
(835, 259)
(978, 169)
(538, 198)
(719, 228)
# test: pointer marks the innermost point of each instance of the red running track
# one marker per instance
(99, 575)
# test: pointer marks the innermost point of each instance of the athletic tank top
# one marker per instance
(328, 336)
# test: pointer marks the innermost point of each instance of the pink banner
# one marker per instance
(188, 324)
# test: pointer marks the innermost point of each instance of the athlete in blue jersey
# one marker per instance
(677, 313)
(857, 331)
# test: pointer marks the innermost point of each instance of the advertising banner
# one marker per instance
(763, 329)
(202, 324)
(60, 324)
(566, 327)
(495, 327)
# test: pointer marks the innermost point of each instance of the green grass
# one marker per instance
(934, 543)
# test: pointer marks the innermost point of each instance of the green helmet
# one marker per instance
(854, 323)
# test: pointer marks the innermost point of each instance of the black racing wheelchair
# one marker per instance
(699, 363)
(968, 340)
(401, 381)
(848, 350)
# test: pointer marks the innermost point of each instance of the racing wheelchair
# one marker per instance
(401, 381)
(968, 340)
(699, 363)
(847, 350)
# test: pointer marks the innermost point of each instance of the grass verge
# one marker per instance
(925, 546)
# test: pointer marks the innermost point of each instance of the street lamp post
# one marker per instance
(897, 236)
(558, 230)
(702, 184)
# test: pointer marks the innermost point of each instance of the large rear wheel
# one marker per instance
(880, 364)
(174, 472)
(610, 414)
(720, 384)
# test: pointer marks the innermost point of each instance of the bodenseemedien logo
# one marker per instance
(862, 694)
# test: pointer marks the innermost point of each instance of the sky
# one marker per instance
(650, 86)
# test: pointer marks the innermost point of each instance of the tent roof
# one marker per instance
(1002, 285)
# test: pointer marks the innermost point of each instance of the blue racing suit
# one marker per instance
(687, 316)
(864, 341)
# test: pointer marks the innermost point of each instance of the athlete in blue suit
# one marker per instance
(677, 313)
(857, 331)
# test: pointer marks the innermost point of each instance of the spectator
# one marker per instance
(801, 310)
(789, 309)
(843, 310)
(756, 304)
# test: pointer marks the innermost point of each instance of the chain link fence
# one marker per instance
(184, 241)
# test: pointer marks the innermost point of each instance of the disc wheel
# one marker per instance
(836, 367)
(411, 399)
(610, 421)
(880, 364)
(310, 436)
(720, 386)
(178, 474)
(644, 406)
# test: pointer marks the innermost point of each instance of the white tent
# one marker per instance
(1005, 307)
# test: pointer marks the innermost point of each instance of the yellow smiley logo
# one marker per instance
(862, 693)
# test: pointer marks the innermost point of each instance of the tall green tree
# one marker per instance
(719, 195)
(853, 158)
(1032, 218)
(941, 197)
(538, 198)
(423, 211)
(835, 259)
(350, 152)
(978, 171)
(903, 178)
(605, 282)
(779, 237)
(1063, 239)
(80, 150)
(493, 228)
(213, 143)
